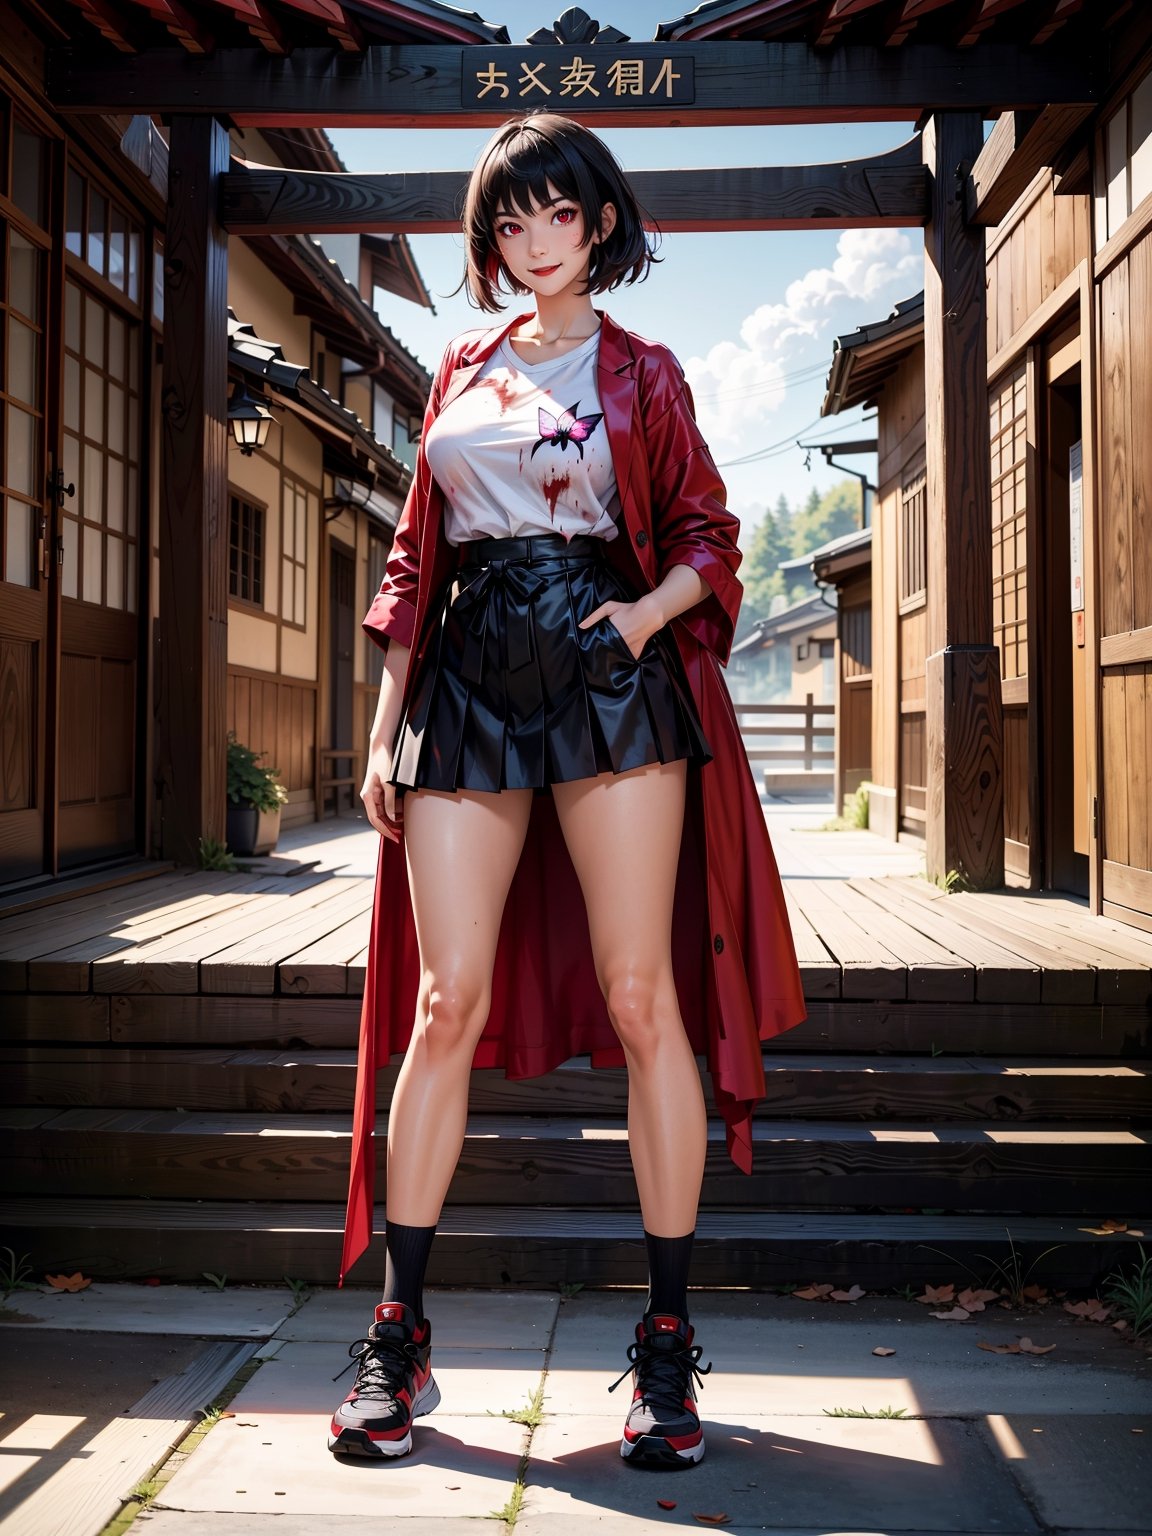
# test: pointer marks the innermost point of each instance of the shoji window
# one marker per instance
(101, 449)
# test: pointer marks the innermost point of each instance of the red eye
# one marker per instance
(566, 215)
(507, 230)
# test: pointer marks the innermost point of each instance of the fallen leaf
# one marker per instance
(711, 1519)
(973, 1301)
(881, 1350)
(1120, 1325)
(811, 1293)
(666, 1503)
(1135, 1232)
(957, 1314)
(228, 1414)
(75, 1282)
(1024, 1347)
(938, 1293)
(853, 1295)
(1083, 1308)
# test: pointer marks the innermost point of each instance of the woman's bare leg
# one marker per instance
(462, 851)
(623, 833)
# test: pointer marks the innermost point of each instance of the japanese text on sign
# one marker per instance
(512, 77)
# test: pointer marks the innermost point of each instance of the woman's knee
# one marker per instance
(453, 1012)
(640, 1008)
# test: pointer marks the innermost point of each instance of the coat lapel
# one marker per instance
(617, 393)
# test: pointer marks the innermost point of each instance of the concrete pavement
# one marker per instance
(809, 1433)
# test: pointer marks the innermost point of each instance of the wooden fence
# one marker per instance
(780, 720)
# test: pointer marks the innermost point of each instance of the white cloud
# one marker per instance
(738, 383)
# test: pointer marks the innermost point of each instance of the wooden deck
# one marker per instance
(180, 1057)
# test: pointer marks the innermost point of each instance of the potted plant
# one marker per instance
(255, 796)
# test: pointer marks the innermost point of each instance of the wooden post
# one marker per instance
(964, 726)
(193, 622)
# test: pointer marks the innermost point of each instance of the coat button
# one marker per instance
(718, 944)
(641, 538)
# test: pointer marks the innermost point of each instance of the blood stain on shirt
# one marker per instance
(553, 490)
(502, 389)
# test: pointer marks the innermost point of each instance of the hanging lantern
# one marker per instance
(249, 420)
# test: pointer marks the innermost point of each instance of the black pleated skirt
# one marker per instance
(512, 694)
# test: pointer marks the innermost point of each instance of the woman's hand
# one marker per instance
(385, 812)
(637, 621)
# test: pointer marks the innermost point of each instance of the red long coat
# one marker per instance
(735, 965)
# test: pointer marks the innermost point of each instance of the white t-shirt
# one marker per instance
(523, 450)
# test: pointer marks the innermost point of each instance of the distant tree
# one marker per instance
(762, 580)
(826, 517)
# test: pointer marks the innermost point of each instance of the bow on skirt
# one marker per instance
(498, 601)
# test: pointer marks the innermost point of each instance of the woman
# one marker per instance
(573, 855)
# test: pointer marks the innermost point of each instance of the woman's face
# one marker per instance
(544, 249)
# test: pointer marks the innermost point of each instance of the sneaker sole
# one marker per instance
(654, 1452)
(348, 1441)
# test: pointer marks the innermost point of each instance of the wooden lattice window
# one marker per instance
(102, 233)
(913, 536)
(245, 550)
(101, 450)
(293, 552)
(856, 640)
(1009, 438)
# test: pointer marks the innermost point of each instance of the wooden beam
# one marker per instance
(1019, 145)
(964, 826)
(890, 189)
(186, 27)
(981, 16)
(837, 15)
(192, 629)
(406, 85)
(906, 16)
(261, 22)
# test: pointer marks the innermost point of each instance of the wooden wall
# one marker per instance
(278, 716)
(1125, 554)
(1031, 256)
(897, 637)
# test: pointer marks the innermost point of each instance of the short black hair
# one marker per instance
(524, 155)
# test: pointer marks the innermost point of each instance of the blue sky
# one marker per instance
(751, 316)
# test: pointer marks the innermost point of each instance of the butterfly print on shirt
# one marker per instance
(559, 431)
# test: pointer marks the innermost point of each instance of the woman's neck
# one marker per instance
(560, 324)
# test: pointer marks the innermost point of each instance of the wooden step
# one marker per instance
(545, 1247)
(799, 1165)
(857, 1087)
(833, 1025)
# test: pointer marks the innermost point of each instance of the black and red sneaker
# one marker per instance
(663, 1428)
(394, 1385)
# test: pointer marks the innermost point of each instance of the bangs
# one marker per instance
(517, 177)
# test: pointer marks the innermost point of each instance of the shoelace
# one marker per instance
(383, 1365)
(663, 1375)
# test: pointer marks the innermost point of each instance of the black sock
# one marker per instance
(668, 1259)
(407, 1251)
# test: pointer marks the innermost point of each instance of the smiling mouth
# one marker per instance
(544, 271)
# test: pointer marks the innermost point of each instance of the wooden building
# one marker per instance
(179, 1083)
(1069, 396)
(308, 517)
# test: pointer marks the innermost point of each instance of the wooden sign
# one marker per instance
(592, 79)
